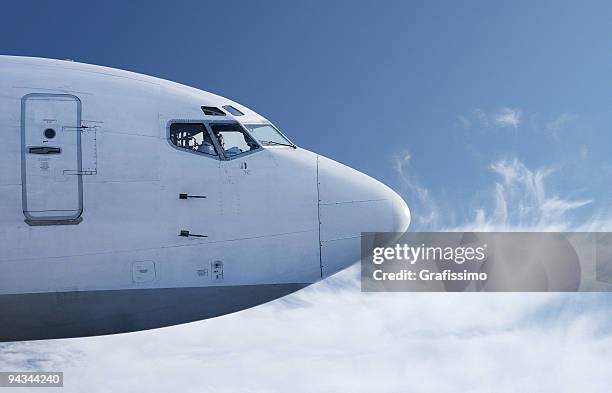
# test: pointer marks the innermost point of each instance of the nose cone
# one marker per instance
(350, 203)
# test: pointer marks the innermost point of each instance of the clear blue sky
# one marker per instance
(366, 82)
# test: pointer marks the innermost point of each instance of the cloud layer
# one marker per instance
(331, 338)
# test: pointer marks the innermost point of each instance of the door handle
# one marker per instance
(187, 196)
(44, 150)
(185, 233)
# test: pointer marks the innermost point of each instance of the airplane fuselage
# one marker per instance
(123, 206)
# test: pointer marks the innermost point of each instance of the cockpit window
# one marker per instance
(233, 110)
(212, 111)
(192, 136)
(233, 139)
(268, 135)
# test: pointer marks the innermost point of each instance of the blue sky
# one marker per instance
(485, 115)
(364, 83)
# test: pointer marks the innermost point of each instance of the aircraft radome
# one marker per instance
(130, 202)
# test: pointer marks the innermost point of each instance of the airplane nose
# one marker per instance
(350, 203)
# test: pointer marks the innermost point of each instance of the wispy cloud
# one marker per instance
(508, 117)
(514, 118)
(518, 201)
(503, 118)
(425, 211)
(522, 202)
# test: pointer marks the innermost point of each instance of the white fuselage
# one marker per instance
(90, 219)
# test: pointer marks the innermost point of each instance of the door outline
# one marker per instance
(50, 220)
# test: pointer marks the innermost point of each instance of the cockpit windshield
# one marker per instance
(268, 135)
(233, 139)
(193, 137)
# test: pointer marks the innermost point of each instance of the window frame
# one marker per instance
(216, 157)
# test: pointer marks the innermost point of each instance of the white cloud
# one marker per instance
(425, 211)
(341, 340)
(522, 202)
(503, 118)
(519, 201)
(508, 117)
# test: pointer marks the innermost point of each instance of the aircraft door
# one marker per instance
(52, 189)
